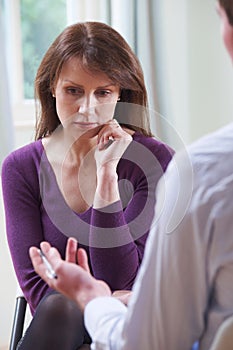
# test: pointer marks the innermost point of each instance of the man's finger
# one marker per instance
(83, 259)
(71, 250)
(45, 246)
(37, 262)
(52, 256)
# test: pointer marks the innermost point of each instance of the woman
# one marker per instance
(91, 174)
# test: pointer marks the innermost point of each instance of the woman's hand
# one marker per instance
(111, 144)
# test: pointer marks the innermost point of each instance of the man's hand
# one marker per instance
(74, 281)
(122, 295)
(75, 255)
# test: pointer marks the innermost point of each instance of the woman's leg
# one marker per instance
(57, 324)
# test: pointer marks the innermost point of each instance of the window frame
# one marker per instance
(23, 110)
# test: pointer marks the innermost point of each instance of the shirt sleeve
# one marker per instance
(23, 223)
(104, 319)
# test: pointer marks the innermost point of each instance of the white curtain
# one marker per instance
(88, 10)
(136, 21)
(6, 123)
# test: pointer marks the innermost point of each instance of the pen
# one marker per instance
(110, 141)
(50, 271)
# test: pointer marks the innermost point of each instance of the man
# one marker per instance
(184, 289)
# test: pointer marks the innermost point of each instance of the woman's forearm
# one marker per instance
(107, 187)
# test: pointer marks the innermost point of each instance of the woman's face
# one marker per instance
(226, 30)
(84, 99)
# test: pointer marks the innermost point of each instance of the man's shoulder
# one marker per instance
(220, 141)
(211, 159)
(200, 177)
(212, 154)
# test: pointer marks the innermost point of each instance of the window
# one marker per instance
(30, 28)
(41, 22)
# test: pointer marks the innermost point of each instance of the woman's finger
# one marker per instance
(111, 131)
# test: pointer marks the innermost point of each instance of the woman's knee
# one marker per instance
(55, 306)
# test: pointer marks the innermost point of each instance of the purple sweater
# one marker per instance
(114, 237)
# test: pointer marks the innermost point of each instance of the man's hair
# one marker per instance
(227, 5)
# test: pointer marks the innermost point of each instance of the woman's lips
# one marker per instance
(86, 125)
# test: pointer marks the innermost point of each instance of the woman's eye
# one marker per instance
(103, 93)
(74, 91)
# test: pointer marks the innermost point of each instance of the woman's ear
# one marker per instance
(53, 92)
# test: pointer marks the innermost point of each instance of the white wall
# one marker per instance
(198, 75)
(211, 71)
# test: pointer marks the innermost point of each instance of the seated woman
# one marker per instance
(91, 174)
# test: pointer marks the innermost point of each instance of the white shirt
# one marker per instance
(184, 289)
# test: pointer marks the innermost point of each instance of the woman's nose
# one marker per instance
(86, 104)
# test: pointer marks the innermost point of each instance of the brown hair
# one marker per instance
(227, 5)
(100, 48)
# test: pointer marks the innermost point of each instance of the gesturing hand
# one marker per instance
(72, 280)
(74, 255)
(123, 295)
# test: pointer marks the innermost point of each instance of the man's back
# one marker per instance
(200, 247)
